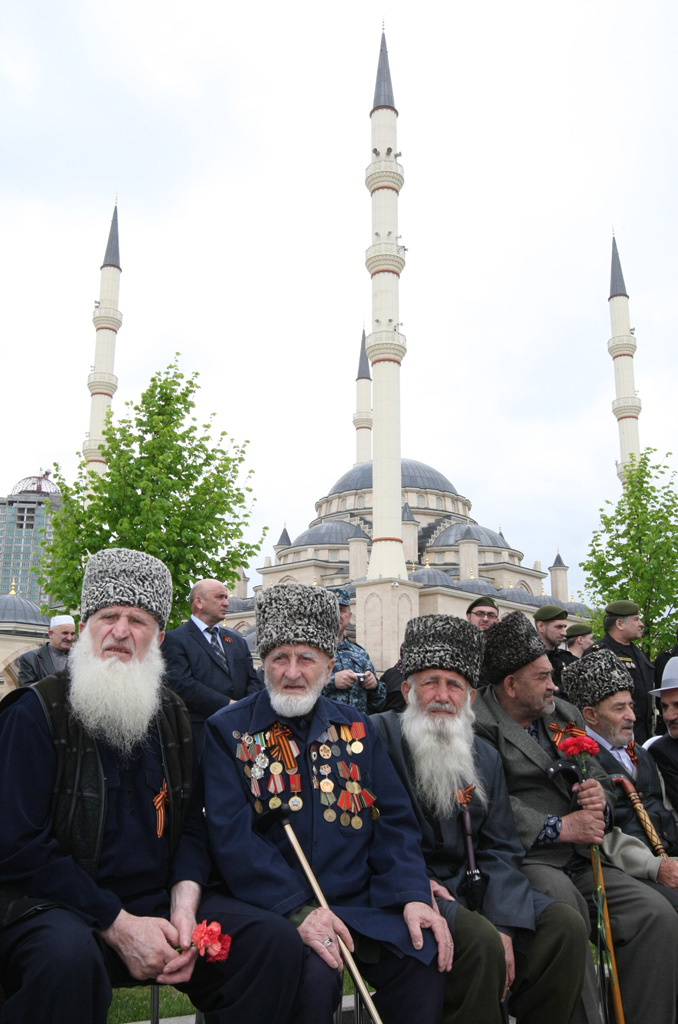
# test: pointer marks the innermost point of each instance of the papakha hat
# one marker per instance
(510, 644)
(443, 641)
(295, 613)
(594, 677)
(481, 602)
(549, 613)
(126, 577)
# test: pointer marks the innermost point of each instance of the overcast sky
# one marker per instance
(236, 138)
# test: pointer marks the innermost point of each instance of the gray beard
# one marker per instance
(289, 705)
(443, 756)
(115, 701)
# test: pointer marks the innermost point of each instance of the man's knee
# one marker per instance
(566, 930)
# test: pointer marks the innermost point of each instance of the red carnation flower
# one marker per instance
(210, 939)
(574, 745)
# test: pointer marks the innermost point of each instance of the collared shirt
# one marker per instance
(203, 627)
(621, 753)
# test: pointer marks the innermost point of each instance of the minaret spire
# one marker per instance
(362, 419)
(107, 319)
(622, 347)
(385, 346)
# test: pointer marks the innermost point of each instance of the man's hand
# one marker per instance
(583, 827)
(370, 681)
(145, 944)
(345, 679)
(439, 891)
(185, 900)
(590, 795)
(507, 943)
(317, 928)
(421, 915)
(668, 872)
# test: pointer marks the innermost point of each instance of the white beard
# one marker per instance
(115, 701)
(289, 705)
(443, 755)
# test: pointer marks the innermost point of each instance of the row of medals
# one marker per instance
(261, 761)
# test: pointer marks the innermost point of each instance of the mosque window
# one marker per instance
(440, 558)
(421, 501)
(297, 556)
(439, 502)
(334, 555)
(361, 501)
(342, 505)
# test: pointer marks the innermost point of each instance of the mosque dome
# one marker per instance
(451, 536)
(334, 531)
(476, 587)
(430, 577)
(35, 485)
(21, 611)
(240, 604)
(413, 474)
(518, 596)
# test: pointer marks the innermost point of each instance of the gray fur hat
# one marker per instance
(131, 578)
(443, 641)
(510, 644)
(295, 613)
(594, 677)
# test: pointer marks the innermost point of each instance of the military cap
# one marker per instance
(295, 613)
(342, 596)
(510, 644)
(578, 629)
(131, 578)
(481, 602)
(549, 613)
(442, 641)
(622, 608)
(597, 675)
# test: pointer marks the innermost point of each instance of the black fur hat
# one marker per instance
(510, 644)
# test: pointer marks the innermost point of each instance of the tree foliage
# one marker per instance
(170, 489)
(634, 554)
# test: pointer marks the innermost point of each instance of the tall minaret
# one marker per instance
(622, 346)
(385, 346)
(107, 318)
(362, 419)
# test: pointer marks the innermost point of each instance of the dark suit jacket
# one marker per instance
(196, 672)
(35, 665)
(665, 752)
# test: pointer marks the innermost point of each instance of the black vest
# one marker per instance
(648, 787)
(78, 809)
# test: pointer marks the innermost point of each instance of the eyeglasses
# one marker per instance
(485, 615)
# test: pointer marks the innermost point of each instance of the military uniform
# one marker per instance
(352, 656)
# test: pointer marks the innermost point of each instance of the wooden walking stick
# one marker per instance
(602, 898)
(281, 814)
(643, 816)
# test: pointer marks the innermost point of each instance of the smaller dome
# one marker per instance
(430, 577)
(21, 611)
(240, 604)
(577, 608)
(451, 536)
(335, 531)
(36, 485)
(476, 587)
(518, 596)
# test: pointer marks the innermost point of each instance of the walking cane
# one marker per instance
(281, 814)
(643, 816)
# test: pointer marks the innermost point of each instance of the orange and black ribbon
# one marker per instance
(464, 796)
(631, 751)
(279, 738)
(569, 729)
(160, 802)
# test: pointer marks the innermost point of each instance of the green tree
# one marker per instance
(170, 489)
(634, 553)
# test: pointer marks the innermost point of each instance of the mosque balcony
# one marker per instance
(100, 381)
(627, 406)
(385, 256)
(384, 174)
(362, 419)
(91, 448)
(622, 345)
(385, 345)
(105, 318)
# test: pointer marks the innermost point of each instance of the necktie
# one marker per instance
(214, 640)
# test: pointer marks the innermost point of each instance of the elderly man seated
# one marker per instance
(518, 938)
(349, 810)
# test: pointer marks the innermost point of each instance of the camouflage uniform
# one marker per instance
(353, 656)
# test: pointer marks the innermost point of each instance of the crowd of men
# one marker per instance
(150, 781)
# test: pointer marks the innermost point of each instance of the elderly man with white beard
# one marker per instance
(506, 934)
(348, 810)
(103, 849)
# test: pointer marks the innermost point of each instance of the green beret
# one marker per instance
(481, 602)
(578, 629)
(622, 608)
(549, 612)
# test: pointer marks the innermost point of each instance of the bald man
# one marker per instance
(207, 665)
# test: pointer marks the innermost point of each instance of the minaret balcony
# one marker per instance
(102, 382)
(384, 174)
(622, 345)
(385, 256)
(629, 406)
(104, 317)
(385, 345)
(362, 419)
